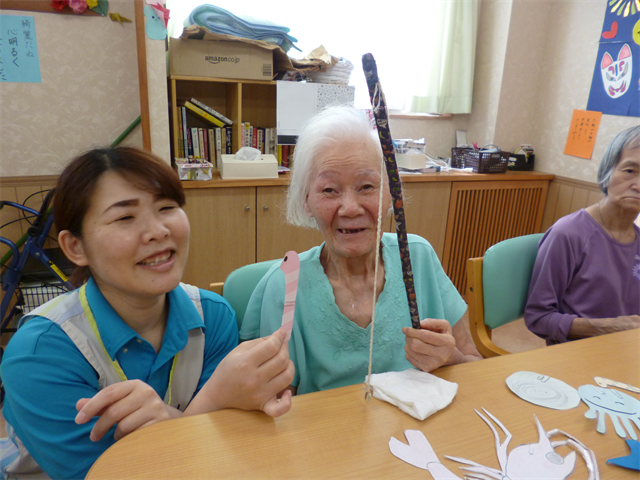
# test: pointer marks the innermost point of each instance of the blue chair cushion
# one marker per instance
(506, 274)
(241, 283)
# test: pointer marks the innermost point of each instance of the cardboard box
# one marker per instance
(220, 59)
(266, 167)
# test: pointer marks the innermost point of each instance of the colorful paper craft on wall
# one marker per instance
(615, 87)
(543, 390)
(619, 406)
(582, 133)
(155, 26)
(536, 460)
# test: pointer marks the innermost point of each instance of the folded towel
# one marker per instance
(417, 393)
(219, 20)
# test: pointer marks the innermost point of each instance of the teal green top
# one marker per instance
(328, 349)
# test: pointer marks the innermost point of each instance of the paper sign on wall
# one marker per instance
(582, 133)
(19, 61)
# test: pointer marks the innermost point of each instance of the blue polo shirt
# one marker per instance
(44, 374)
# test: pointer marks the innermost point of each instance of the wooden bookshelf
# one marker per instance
(252, 101)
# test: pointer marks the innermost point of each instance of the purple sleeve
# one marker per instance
(552, 273)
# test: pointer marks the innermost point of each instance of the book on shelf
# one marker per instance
(195, 142)
(285, 156)
(254, 137)
(260, 145)
(204, 115)
(205, 142)
(229, 140)
(188, 149)
(180, 138)
(219, 144)
(212, 147)
(247, 135)
(211, 111)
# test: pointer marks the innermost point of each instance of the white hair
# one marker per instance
(332, 126)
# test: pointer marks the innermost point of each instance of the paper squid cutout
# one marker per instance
(291, 268)
(619, 406)
(535, 460)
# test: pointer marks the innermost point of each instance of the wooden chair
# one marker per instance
(498, 285)
(239, 286)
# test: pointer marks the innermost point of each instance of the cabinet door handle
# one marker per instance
(247, 208)
(266, 207)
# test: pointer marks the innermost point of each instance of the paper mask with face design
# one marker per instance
(616, 75)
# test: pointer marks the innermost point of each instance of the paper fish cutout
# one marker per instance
(543, 390)
(536, 460)
(618, 405)
(155, 25)
(631, 461)
(116, 17)
(291, 267)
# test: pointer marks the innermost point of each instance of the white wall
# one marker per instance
(534, 65)
(88, 96)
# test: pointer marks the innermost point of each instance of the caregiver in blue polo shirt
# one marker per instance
(132, 346)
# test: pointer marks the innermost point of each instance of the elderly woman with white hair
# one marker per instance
(586, 278)
(336, 186)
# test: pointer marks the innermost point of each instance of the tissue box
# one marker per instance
(414, 162)
(266, 167)
(193, 171)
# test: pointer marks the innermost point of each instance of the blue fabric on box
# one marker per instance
(219, 20)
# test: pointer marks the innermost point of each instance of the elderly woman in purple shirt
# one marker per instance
(586, 278)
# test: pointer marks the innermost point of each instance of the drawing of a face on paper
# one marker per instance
(616, 75)
(619, 406)
(543, 390)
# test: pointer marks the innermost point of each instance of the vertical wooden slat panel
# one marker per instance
(563, 206)
(594, 197)
(579, 199)
(550, 209)
(483, 214)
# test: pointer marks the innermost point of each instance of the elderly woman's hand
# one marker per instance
(430, 347)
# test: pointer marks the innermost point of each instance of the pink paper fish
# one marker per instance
(291, 267)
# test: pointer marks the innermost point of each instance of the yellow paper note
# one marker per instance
(582, 133)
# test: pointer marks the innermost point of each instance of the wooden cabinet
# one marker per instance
(223, 233)
(483, 213)
(236, 222)
(252, 101)
(274, 236)
(426, 206)
(235, 226)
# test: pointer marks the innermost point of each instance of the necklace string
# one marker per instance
(605, 225)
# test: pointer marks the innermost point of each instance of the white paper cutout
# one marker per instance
(605, 382)
(543, 390)
(618, 405)
(536, 460)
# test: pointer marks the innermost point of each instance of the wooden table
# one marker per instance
(337, 434)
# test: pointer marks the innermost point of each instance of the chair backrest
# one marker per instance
(240, 284)
(506, 274)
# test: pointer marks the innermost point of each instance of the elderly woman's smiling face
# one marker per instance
(344, 194)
